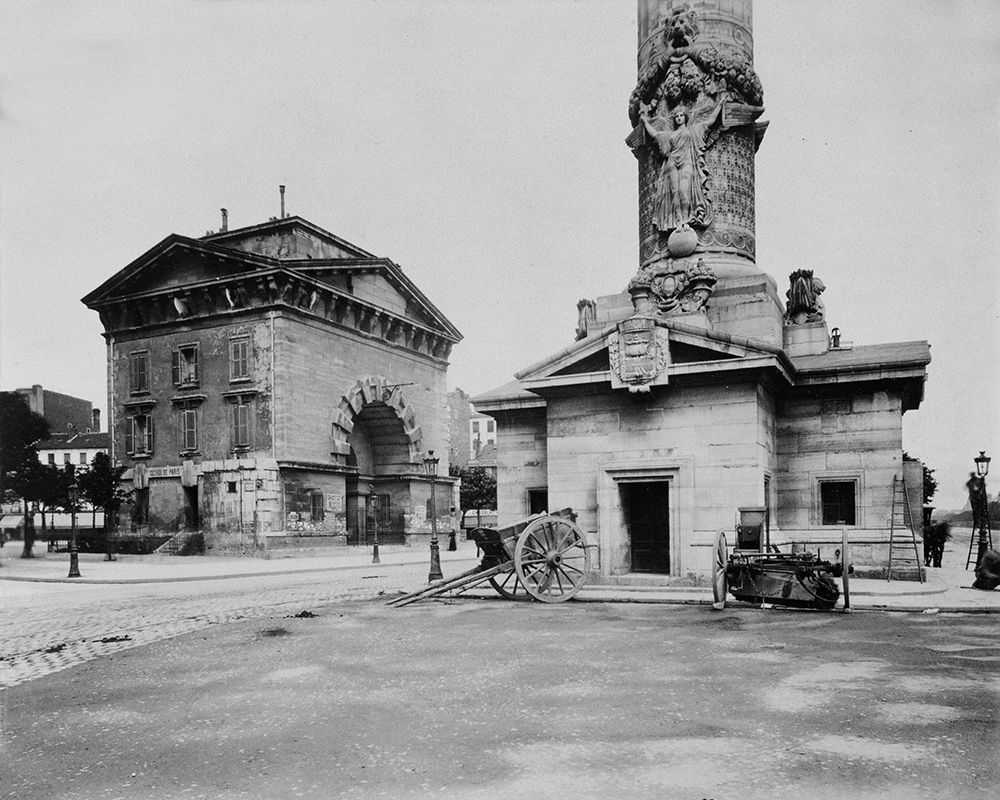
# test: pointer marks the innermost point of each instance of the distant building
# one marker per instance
(265, 382)
(470, 431)
(63, 412)
(77, 449)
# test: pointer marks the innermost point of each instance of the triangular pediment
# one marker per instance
(289, 238)
(689, 349)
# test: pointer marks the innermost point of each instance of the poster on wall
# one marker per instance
(335, 503)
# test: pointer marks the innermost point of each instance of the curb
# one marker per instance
(216, 577)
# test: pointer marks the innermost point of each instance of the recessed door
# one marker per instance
(646, 507)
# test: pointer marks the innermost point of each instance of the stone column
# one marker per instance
(694, 56)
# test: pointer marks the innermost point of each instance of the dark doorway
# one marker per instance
(191, 517)
(646, 508)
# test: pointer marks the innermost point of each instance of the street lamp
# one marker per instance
(74, 557)
(431, 465)
(373, 499)
(982, 517)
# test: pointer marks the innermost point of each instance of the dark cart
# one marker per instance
(543, 558)
(757, 572)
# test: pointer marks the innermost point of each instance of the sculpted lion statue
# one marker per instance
(803, 302)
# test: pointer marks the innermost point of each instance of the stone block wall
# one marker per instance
(316, 366)
(522, 461)
(850, 437)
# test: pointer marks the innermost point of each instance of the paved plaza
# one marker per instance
(485, 698)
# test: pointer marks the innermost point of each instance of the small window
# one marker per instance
(475, 426)
(138, 372)
(490, 426)
(184, 366)
(83, 459)
(838, 502)
(239, 359)
(139, 435)
(538, 501)
(189, 430)
(231, 487)
(52, 459)
(316, 511)
(67, 458)
(241, 424)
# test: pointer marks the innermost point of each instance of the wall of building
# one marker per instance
(316, 365)
(850, 437)
(711, 439)
(522, 462)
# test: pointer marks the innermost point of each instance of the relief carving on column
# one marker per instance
(685, 98)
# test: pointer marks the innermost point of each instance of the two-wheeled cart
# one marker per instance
(542, 558)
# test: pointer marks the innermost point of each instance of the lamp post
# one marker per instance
(982, 470)
(373, 499)
(431, 465)
(74, 557)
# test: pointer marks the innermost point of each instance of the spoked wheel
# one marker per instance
(719, 560)
(551, 560)
(508, 585)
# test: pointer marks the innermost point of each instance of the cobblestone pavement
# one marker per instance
(52, 627)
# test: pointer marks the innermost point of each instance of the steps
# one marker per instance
(184, 543)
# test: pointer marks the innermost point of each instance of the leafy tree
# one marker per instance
(20, 472)
(479, 489)
(930, 482)
(101, 486)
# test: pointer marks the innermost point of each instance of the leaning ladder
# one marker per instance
(901, 513)
(984, 526)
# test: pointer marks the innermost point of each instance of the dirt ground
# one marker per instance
(492, 699)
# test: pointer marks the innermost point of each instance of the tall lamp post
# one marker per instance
(982, 470)
(74, 557)
(373, 499)
(431, 465)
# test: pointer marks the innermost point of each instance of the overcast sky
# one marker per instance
(480, 146)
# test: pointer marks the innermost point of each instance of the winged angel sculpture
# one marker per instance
(678, 102)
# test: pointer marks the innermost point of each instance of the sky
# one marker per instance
(480, 145)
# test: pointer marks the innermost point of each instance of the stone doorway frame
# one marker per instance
(612, 534)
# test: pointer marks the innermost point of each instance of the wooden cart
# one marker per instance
(542, 558)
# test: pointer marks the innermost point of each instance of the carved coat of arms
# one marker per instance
(639, 351)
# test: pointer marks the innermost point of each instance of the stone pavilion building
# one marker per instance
(702, 389)
(275, 387)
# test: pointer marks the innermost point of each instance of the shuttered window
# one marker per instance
(189, 430)
(139, 435)
(239, 359)
(184, 366)
(138, 372)
(242, 429)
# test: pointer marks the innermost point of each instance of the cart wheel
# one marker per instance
(551, 560)
(719, 561)
(845, 561)
(508, 585)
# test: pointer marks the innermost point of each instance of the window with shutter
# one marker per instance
(138, 372)
(142, 435)
(239, 359)
(242, 432)
(184, 365)
(189, 430)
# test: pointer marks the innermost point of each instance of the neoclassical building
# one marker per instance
(265, 382)
(700, 389)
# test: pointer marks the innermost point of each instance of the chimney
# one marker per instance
(96, 416)
(225, 221)
(281, 188)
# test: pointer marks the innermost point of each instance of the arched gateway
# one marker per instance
(377, 439)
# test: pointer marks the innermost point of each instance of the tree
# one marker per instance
(20, 472)
(930, 482)
(479, 489)
(101, 486)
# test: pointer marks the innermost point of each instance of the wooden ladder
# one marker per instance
(984, 526)
(901, 520)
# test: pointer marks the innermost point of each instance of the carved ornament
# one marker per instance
(639, 351)
(803, 303)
